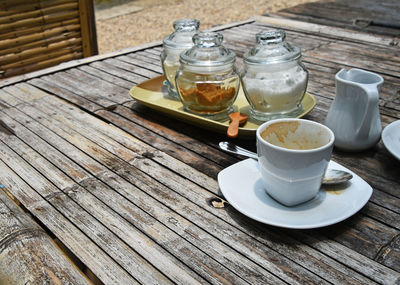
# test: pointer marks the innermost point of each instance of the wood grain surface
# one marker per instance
(369, 16)
(28, 253)
(129, 191)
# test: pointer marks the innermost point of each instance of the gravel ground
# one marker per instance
(151, 20)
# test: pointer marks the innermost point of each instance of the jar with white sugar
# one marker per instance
(274, 79)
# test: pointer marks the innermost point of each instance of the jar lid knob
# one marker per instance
(271, 37)
(186, 25)
(207, 39)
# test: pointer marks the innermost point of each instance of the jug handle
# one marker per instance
(372, 102)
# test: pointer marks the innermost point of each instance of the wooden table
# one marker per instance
(131, 195)
(378, 17)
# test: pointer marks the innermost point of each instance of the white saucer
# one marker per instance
(391, 138)
(242, 187)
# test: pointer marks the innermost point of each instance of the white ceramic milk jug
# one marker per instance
(354, 114)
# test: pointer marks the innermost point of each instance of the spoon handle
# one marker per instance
(232, 148)
(233, 128)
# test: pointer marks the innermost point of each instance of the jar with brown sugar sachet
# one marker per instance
(207, 81)
(173, 45)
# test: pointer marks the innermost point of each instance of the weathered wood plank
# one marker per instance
(150, 63)
(102, 87)
(386, 200)
(102, 236)
(244, 37)
(67, 82)
(21, 92)
(92, 88)
(106, 76)
(95, 259)
(377, 16)
(378, 212)
(187, 152)
(193, 138)
(155, 51)
(7, 100)
(147, 55)
(28, 254)
(111, 139)
(118, 72)
(65, 94)
(380, 274)
(372, 234)
(356, 59)
(323, 31)
(132, 68)
(390, 254)
(378, 173)
(374, 53)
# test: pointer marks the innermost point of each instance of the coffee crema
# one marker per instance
(291, 135)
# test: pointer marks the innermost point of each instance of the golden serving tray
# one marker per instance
(154, 94)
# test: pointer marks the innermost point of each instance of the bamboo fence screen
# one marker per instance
(35, 34)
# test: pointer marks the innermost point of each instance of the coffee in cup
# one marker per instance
(293, 156)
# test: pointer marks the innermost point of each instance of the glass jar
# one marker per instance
(207, 80)
(173, 45)
(274, 80)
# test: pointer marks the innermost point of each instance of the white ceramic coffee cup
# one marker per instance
(293, 155)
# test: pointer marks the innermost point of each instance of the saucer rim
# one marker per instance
(389, 129)
(329, 221)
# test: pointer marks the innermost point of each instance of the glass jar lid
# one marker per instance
(271, 48)
(182, 36)
(208, 51)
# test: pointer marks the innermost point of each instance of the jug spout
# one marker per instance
(354, 114)
(342, 75)
(359, 77)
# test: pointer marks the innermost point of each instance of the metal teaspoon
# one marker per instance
(332, 176)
